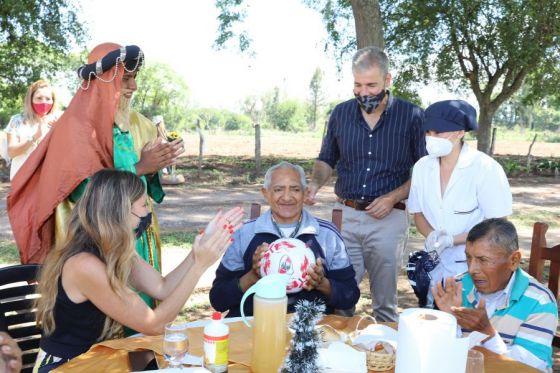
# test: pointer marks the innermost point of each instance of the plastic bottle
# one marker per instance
(216, 344)
(269, 326)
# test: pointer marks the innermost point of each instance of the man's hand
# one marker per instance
(157, 155)
(315, 278)
(11, 353)
(381, 206)
(451, 296)
(311, 194)
(474, 318)
(257, 257)
(251, 277)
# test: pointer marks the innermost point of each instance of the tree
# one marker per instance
(490, 47)
(35, 38)
(162, 92)
(338, 15)
(290, 116)
(316, 99)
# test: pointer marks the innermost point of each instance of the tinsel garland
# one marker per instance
(303, 353)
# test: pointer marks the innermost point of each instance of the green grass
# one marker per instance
(9, 254)
(413, 232)
(527, 217)
(518, 134)
(182, 240)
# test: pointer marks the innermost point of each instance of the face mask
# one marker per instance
(145, 222)
(41, 109)
(438, 147)
(370, 103)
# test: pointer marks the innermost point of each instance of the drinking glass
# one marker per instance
(475, 362)
(175, 343)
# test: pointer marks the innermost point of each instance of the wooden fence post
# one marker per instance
(200, 145)
(257, 147)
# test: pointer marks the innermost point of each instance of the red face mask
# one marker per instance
(42, 109)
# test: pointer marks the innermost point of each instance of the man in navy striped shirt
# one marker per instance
(373, 141)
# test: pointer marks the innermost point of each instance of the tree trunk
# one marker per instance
(257, 148)
(484, 132)
(368, 23)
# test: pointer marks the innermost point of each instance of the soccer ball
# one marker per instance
(291, 257)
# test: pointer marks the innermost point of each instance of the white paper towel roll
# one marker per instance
(427, 343)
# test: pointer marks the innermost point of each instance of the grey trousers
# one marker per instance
(376, 246)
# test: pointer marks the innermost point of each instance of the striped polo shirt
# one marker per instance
(527, 319)
(370, 163)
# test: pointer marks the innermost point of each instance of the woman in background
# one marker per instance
(26, 130)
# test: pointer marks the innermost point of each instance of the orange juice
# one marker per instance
(269, 334)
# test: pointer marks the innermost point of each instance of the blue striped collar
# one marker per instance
(515, 288)
(309, 224)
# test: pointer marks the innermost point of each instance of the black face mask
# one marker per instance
(370, 103)
(145, 222)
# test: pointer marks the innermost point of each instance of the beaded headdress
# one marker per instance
(131, 57)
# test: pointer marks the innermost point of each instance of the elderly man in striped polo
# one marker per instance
(499, 299)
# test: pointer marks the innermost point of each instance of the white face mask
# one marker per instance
(438, 146)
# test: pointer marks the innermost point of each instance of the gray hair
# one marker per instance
(368, 57)
(497, 232)
(284, 165)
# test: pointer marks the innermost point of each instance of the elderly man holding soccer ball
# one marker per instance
(286, 239)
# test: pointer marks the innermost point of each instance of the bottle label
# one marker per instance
(216, 350)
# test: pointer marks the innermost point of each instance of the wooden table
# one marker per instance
(112, 356)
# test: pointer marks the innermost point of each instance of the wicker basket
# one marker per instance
(376, 360)
(380, 361)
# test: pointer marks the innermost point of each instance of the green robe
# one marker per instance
(125, 158)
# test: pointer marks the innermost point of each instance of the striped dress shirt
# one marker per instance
(526, 320)
(370, 163)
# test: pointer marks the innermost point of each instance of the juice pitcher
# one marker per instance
(269, 325)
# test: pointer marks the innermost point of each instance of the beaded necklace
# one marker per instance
(280, 233)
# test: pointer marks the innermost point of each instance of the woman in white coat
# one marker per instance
(454, 187)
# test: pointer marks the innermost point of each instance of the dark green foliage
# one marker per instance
(232, 13)
(35, 39)
(490, 47)
(161, 91)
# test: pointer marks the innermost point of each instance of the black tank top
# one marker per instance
(77, 327)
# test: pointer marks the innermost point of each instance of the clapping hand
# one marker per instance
(474, 318)
(450, 296)
(232, 221)
(157, 155)
(211, 244)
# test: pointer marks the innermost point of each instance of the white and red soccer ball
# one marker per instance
(291, 257)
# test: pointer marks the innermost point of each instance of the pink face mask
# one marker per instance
(42, 109)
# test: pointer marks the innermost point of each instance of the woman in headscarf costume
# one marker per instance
(90, 135)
